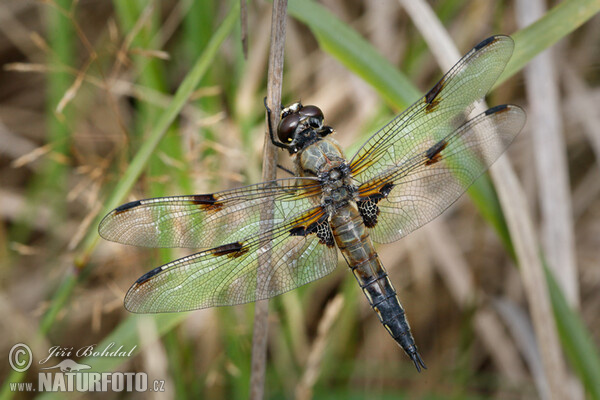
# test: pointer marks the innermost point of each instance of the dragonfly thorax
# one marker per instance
(338, 196)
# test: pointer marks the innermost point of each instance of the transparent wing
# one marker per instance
(443, 109)
(301, 251)
(439, 171)
(208, 220)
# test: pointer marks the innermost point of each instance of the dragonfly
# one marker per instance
(258, 241)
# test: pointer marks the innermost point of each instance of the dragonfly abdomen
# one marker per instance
(353, 240)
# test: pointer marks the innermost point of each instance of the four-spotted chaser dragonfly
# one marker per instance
(262, 240)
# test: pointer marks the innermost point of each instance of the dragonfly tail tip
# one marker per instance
(418, 361)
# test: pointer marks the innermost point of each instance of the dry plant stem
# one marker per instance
(315, 355)
(541, 83)
(18, 33)
(519, 221)
(586, 192)
(275, 79)
(523, 334)
(256, 63)
(584, 107)
(558, 237)
(522, 231)
(584, 112)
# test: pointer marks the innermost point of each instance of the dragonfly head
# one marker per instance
(300, 126)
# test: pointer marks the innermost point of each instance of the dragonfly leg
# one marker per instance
(271, 135)
(281, 167)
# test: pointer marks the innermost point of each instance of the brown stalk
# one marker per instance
(274, 84)
(304, 390)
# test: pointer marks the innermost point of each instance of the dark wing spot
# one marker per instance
(233, 250)
(127, 206)
(368, 211)
(299, 231)
(433, 153)
(386, 189)
(324, 233)
(321, 228)
(204, 199)
(368, 207)
(207, 202)
(431, 98)
(433, 105)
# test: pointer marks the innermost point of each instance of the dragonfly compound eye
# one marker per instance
(287, 128)
(312, 111)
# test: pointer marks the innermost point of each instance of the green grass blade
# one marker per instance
(355, 53)
(180, 98)
(61, 38)
(151, 73)
(553, 26)
(50, 182)
(577, 342)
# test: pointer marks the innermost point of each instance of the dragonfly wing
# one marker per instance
(300, 251)
(443, 109)
(208, 220)
(405, 197)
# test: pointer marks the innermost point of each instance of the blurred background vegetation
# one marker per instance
(106, 102)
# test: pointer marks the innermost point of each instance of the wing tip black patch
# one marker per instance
(432, 97)
(127, 206)
(148, 275)
(497, 109)
(486, 42)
